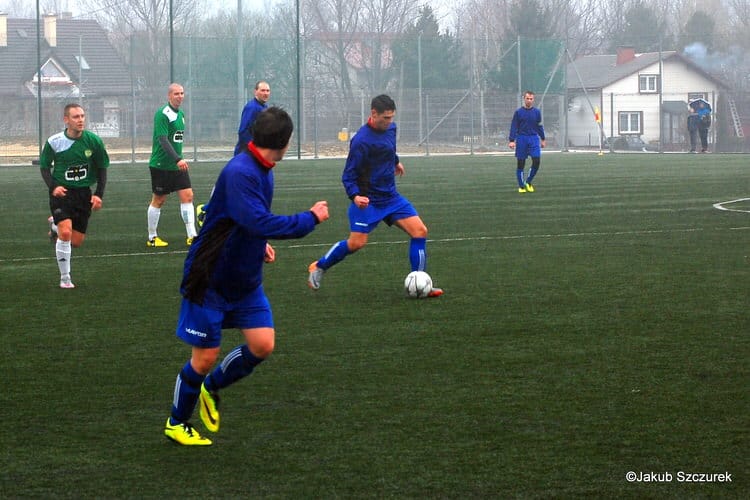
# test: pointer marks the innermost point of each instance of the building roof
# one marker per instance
(107, 74)
(598, 71)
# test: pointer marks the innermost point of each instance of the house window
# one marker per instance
(82, 63)
(630, 122)
(648, 83)
(52, 73)
(697, 95)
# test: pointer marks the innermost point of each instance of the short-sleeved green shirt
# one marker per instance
(74, 162)
(168, 122)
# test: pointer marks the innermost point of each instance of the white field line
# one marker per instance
(720, 205)
(158, 253)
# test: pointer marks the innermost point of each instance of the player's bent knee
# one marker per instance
(355, 244)
(203, 360)
(262, 349)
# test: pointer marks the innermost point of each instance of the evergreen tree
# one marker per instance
(442, 63)
(531, 32)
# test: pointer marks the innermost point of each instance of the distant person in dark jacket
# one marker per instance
(699, 121)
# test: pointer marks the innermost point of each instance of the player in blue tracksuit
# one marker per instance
(244, 132)
(527, 138)
(369, 179)
(249, 112)
(222, 285)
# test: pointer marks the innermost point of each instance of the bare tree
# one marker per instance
(331, 28)
(383, 19)
(149, 19)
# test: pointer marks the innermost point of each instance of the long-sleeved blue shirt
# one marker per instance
(245, 130)
(370, 166)
(227, 255)
(526, 121)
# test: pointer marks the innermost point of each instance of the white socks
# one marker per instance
(63, 252)
(188, 217)
(153, 221)
(187, 212)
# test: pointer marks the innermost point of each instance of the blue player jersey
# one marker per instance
(526, 121)
(370, 166)
(245, 130)
(227, 255)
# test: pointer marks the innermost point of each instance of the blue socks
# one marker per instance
(532, 173)
(336, 254)
(186, 390)
(339, 251)
(418, 254)
(239, 363)
(519, 177)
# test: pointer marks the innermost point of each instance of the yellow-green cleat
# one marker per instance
(209, 411)
(521, 190)
(185, 434)
(200, 214)
(529, 188)
(156, 242)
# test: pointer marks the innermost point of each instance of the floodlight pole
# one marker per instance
(171, 41)
(299, 89)
(39, 75)
(240, 63)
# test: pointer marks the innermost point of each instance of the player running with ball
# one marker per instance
(370, 181)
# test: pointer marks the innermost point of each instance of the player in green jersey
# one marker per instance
(169, 170)
(71, 162)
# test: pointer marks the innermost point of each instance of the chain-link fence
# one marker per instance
(446, 103)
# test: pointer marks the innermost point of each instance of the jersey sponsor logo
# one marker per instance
(88, 153)
(77, 173)
(178, 135)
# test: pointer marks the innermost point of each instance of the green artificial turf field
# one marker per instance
(595, 327)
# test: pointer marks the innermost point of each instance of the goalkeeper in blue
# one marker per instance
(222, 284)
(527, 138)
(369, 179)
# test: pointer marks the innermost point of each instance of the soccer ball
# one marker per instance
(418, 284)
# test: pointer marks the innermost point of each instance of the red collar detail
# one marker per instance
(254, 151)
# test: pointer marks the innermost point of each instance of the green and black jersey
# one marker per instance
(74, 162)
(169, 123)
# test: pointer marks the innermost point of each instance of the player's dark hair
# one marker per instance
(530, 92)
(382, 103)
(70, 106)
(273, 128)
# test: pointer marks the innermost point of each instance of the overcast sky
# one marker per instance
(10, 6)
(73, 5)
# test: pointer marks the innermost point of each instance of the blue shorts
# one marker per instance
(201, 325)
(365, 220)
(528, 145)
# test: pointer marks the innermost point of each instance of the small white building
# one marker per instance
(644, 95)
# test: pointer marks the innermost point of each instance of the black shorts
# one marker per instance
(168, 181)
(75, 205)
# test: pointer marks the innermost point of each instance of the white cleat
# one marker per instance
(66, 282)
(316, 276)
